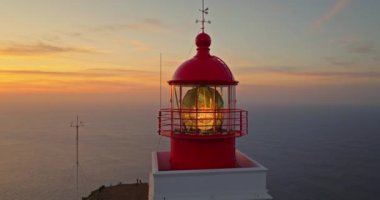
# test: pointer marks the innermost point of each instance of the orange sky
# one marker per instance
(113, 49)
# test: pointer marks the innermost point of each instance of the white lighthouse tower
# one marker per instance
(203, 123)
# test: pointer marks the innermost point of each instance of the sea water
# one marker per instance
(312, 152)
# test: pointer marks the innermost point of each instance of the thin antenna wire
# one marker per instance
(159, 138)
(77, 125)
(160, 80)
(191, 47)
(190, 50)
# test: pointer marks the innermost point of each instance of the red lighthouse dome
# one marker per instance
(203, 67)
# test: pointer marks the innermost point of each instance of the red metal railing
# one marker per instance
(203, 122)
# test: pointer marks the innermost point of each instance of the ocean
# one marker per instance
(312, 152)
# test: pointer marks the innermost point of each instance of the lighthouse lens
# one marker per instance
(200, 109)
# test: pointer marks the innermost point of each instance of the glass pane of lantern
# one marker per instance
(223, 90)
(175, 116)
(234, 116)
(200, 107)
(176, 97)
(185, 112)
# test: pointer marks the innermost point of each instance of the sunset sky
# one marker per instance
(284, 51)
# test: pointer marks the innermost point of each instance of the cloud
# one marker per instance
(268, 69)
(93, 72)
(35, 72)
(88, 80)
(376, 58)
(40, 48)
(361, 48)
(337, 62)
(118, 71)
(374, 75)
(140, 45)
(300, 72)
(49, 73)
(353, 44)
(51, 38)
(146, 25)
(74, 34)
(338, 7)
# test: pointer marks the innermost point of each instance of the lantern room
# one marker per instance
(203, 120)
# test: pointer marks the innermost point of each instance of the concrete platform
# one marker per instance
(247, 181)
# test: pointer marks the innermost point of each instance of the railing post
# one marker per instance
(246, 122)
(241, 121)
(171, 123)
(228, 117)
(180, 120)
(159, 122)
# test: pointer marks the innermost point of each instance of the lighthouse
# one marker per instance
(203, 123)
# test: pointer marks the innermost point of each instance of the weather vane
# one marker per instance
(204, 11)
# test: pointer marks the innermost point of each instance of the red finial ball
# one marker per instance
(203, 40)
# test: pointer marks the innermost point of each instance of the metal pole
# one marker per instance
(77, 127)
(160, 80)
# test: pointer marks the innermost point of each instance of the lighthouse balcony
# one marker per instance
(203, 123)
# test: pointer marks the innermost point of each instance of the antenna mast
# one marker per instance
(204, 12)
(76, 126)
(160, 80)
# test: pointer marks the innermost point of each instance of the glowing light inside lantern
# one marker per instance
(206, 117)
